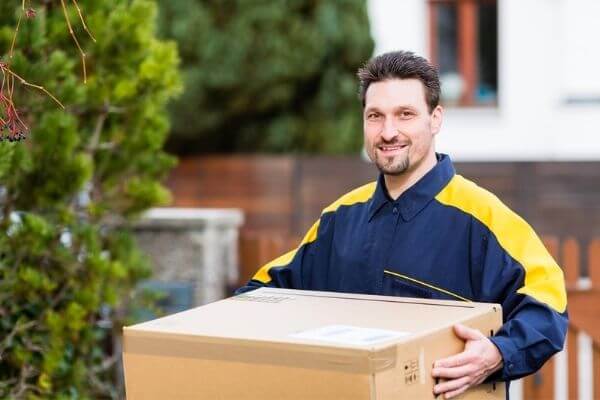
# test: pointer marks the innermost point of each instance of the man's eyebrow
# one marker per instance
(405, 107)
(395, 109)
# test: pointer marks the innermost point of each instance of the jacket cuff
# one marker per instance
(512, 368)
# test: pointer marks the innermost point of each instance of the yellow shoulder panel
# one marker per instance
(359, 195)
(262, 274)
(544, 279)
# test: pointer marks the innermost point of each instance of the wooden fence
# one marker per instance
(575, 372)
(285, 194)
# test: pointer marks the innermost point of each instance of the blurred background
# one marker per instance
(240, 119)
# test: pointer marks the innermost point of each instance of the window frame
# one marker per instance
(467, 44)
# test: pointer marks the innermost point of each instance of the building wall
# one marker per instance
(549, 88)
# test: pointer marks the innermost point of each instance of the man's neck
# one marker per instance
(398, 184)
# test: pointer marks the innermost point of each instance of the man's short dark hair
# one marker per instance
(401, 65)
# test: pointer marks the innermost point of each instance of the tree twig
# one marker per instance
(98, 130)
(27, 371)
(81, 52)
(25, 83)
(83, 21)
(16, 329)
(14, 39)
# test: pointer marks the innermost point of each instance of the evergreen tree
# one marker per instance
(268, 75)
(81, 173)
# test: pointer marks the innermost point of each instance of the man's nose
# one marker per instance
(390, 130)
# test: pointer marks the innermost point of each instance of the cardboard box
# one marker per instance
(290, 344)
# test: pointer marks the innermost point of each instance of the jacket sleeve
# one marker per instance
(297, 268)
(520, 274)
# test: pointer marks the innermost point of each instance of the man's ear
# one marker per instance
(437, 117)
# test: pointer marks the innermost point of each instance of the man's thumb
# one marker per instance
(466, 333)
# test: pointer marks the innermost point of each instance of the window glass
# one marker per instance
(487, 82)
(464, 46)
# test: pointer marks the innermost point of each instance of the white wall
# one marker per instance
(399, 24)
(540, 42)
(581, 46)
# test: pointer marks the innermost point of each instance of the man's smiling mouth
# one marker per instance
(390, 148)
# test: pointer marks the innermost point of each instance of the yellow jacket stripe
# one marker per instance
(544, 279)
(359, 195)
(428, 285)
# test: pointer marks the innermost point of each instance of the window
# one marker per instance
(464, 46)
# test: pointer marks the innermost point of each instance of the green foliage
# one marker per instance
(268, 75)
(82, 173)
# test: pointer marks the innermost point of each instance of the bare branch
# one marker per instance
(106, 364)
(9, 114)
(14, 40)
(25, 83)
(97, 131)
(27, 371)
(81, 52)
(18, 328)
(83, 21)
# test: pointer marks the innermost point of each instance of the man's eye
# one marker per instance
(372, 116)
(406, 114)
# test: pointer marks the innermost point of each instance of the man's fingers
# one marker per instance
(454, 361)
(452, 385)
(453, 373)
(466, 333)
(454, 393)
(465, 369)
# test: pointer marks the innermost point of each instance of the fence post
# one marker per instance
(570, 262)
(594, 266)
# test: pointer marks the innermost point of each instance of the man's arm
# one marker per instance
(530, 286)
(294, 270)
(307, 266)
(518, 272)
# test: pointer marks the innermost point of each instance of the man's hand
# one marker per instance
(467, 369)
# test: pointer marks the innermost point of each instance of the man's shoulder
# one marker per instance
(359, 195)
(467, 196)
(461, 190)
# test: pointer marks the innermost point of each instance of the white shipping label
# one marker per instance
(345, 334)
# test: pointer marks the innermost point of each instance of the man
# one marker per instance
(422, 230)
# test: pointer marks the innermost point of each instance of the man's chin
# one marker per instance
(393, 172)
(393, 169)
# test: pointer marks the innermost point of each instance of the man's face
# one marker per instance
(398, 127)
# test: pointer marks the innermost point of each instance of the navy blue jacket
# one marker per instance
(443, 238)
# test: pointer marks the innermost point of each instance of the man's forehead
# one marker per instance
(395, 92)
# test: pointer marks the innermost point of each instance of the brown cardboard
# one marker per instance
(262, 345)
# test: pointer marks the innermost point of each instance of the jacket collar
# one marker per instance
(415, 198)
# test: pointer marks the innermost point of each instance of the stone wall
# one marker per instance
(193, 247)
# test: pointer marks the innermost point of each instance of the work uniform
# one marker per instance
(443, 238)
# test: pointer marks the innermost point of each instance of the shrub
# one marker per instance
(80, 173)
(268, 76)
